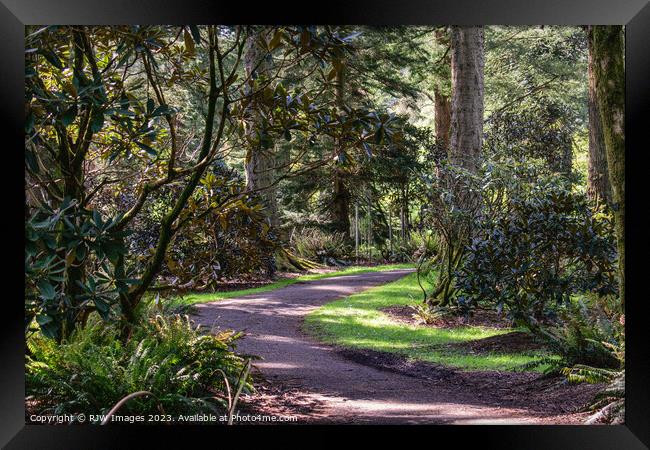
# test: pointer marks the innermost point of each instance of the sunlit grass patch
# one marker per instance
(204, 297)
(358, 322)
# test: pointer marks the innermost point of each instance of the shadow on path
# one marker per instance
(346, 391)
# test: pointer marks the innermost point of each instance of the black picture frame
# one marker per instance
(635, 14)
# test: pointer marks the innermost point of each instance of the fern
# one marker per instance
(168, 356)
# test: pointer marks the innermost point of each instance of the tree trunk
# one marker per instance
(442, 113)
(340, 204)
(260, 159)
(442, 102)
(341, 193)
(609, 68)
(598, 188)
(467, 63)
(71, 162)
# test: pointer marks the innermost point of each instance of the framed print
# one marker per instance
(406, 216)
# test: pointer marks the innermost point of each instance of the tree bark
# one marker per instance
(442, 114)
(467, 64)
(341, 203)
(71, 162)
(341, 193)
(442, 101)
(598, 187)
(609, 68)
(260, 161)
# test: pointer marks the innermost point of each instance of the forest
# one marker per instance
(325, 224)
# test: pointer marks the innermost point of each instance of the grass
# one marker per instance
(357, 322)
(187, 300)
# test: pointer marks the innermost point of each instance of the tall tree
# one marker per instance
(260, 160)
(441, 97)
(341, 198)
(467, 65)
(598, 187)
(609, 67)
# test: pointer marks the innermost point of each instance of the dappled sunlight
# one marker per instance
(406, 409)
(357, 321)
(361, 213)
(277, 365)
(329, 278)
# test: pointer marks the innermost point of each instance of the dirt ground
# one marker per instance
(480, 318)
(323, 384)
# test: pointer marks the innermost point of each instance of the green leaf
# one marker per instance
(97, 122)
(69, 115)
(50, 330)
(146, 148)
(162, 110)
(30, 160)
(51, 57)
(97, 218)
(29, 122)
(124, 59)
(189, 43)
(46, 289)
(103, 308)
(379, 135)
(43, 319)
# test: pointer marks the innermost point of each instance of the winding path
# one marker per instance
(348, 392)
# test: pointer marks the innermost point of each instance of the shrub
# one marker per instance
(168, 356)
(452, 204)
(590, 333)
(541, 247)
(427, 314)
(65, 243)
(591, 346)
(317, 245)
(225, 232)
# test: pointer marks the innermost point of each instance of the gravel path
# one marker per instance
(345, 391)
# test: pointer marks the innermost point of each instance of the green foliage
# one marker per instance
(128, 119)
(541, 130)
(587, 374)
(589, 340)
(427, 314)
(225, 234)
(523, 63)
(324, 247)
(609, 403)
(452, 204)
(168, 356)
(591, 348)
(57, 241)
(590, 333)
(535, 249)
